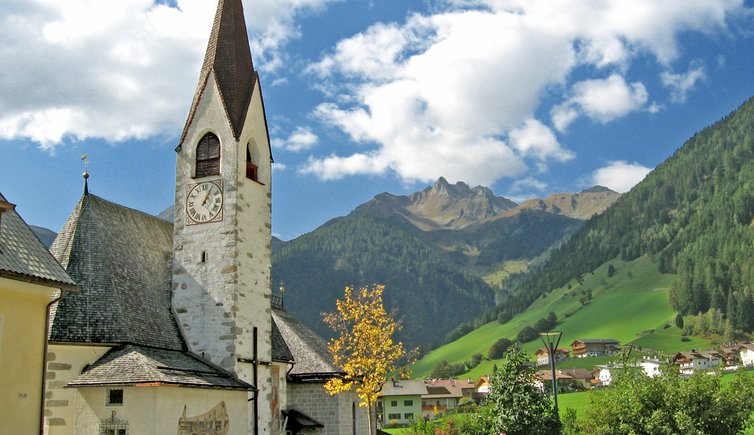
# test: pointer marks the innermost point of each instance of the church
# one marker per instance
(174, 328)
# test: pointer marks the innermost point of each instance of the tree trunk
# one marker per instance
(369, 416)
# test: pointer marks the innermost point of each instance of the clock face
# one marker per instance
(204, 202)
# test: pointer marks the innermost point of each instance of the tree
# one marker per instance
(679, 320)
(363, 346)
(519, 405)
(526, 335)
(497, 350)
(610, 270)
(670, 404)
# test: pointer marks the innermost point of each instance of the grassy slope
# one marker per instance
(496, 278)
(633, 301)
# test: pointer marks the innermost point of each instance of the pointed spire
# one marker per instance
(85, 158)
(229, 56)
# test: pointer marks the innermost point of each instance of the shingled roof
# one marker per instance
(280, 350)
(312, 359)
(229, 56)
(24, 258)
(121, 259)
(135, 365)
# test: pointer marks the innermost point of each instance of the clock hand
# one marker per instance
(206, 197)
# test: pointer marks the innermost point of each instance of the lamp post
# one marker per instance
(551, 341)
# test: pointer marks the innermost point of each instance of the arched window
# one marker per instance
(208, 156)
(252, 170)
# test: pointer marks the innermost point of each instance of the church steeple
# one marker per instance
(223, 214)
(229, 57)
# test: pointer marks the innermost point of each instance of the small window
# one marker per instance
(393, 403)
(408, 415)
(208, 156)
(252, 170)
(115, 397)
(408, 403)
(394, 416)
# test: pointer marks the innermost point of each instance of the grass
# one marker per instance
(397, 430)
(579, 402)
(625, 307)
(496, 278)
(670, 341)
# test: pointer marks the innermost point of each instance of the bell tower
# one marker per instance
(222, 216)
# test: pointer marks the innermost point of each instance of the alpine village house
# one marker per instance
(160, 328)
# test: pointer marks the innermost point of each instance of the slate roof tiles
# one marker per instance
(308, 349)
(133, 365)
(121, 259)
(24, 258)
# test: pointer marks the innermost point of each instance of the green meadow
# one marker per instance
(631, 306)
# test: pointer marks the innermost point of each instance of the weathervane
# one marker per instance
(85, 158)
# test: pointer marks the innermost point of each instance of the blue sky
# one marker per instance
(528, 97)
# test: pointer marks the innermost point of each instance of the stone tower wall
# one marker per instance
(219, 301)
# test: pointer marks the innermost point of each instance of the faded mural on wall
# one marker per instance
(213, 422)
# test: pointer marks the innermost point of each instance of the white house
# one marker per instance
(694, 360)
(604, 374)
(543, 355)
(746, 351)
(651, 366)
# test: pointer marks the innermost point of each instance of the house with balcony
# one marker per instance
(401, 402)
(583, 348)
(445, 394)
(692, 361)
(543, 355)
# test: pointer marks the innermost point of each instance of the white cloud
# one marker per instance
(600, 99)
(301, 139)
(116, 70)
(528, 183)
(620, 175)
(440, 94)
(535, 139)
(681, 84)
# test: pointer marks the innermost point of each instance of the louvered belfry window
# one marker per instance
(208, 156)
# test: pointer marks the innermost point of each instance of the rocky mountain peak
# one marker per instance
(442, 187)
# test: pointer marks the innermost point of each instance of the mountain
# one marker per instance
(430, 248)
(441, 206)
(44, 235)
(683, 239)
(581, 205)
(167, 214)
(693, 214)
(430, 295)
(475, 230)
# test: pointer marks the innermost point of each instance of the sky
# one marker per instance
(527, 97)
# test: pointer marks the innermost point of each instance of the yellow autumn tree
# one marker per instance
(363, 346)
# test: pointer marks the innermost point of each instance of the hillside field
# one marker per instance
(631, 306)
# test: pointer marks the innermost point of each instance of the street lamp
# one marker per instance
(552, 340)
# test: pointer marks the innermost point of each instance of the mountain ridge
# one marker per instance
(691, 221)
(445, 206)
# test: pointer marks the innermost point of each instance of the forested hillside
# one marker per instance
(430, 248)
(693, 214)
(430, 295)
